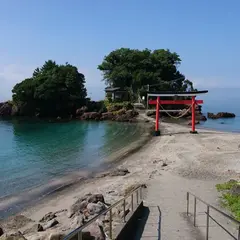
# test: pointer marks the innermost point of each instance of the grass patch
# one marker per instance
(228, 199)
(232, 203)
(116, 106)
(226, 186)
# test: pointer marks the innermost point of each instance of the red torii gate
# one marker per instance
(159, 102)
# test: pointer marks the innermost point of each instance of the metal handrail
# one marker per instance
(209, 206)
(78, 231)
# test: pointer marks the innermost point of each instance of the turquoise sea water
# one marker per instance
(222, 100)
(33, 153)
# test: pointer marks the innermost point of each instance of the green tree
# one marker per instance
(134, 69)
(53, 90)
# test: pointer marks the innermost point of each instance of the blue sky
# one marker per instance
(204, 33)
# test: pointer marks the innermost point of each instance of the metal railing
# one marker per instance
(209, 216)
(139, 196)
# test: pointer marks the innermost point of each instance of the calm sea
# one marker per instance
(222, 100)
(33, 153)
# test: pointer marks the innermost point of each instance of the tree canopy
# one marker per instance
(135, 69)
(53, 90)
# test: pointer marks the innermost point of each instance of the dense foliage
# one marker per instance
(136, 69)
(53, 90)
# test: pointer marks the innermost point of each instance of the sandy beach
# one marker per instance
(200, 160)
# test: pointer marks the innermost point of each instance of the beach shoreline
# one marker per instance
(208, 156)
(18, 202)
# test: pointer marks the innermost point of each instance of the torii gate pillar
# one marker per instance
(157, 131)
(193, 116)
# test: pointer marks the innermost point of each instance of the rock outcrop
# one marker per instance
(81, 111)
(17, 222)
(1, 232)
(56, 225)
(6, 109)
(91, 116)
(93, 111)
(82, 205)
(47, 217)
(125, 116)
(77, 207)
(95, 208)
(203, 118)
(107, 116)
(35, 228)
(56, 236)
(13, 236)
(50, 223)
(94, 232)
(95, 198)
(121, 115)
(220, 115)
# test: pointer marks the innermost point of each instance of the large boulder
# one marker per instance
(50, 224)
(107, 116)
(81, 111)
(80, 206)
(6, 109)
(127, 116)
(47, 217)
(202, 118)
(94, 232)
(132, 113)
(34, 228)
(115, 107)
(95, 208)
(16, 222)
(220, 115)
(56, 236)
(13, 236)
(1, 232)
(38, 236)
(77, 207)
(77, 221)
(91, 116)
(95, 198)
(120, 112)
